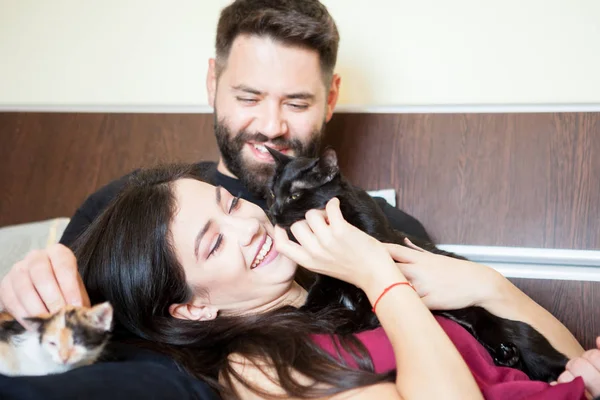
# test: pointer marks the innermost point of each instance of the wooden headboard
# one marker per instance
(526, 180)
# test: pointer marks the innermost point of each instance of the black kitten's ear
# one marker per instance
(328, 163)
(280, 158)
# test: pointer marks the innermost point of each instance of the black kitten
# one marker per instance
(300, 184)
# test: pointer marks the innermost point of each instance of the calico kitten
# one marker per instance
(300, 184)
(55, 343)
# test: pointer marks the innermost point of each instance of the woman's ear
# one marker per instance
(193, 312)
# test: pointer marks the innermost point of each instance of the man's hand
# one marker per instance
(43, 282)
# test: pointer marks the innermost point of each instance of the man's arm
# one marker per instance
(90, 209)
(98, 201)
(401, 221)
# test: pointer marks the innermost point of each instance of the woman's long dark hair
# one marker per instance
(127, 257)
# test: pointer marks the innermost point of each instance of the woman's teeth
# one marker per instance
(263, 252)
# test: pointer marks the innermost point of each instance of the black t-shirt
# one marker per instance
(98, 201)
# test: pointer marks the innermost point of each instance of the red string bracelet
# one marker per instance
(387, 289)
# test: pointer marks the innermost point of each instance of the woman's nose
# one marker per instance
(245, 229)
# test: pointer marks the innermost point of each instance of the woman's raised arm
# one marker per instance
(429, 366)
(446, 283)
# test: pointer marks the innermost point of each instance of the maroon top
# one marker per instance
(496, 383)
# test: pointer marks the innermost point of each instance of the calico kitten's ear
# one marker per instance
(328, 164)
(34, 323)
(280, 158)
(101, 316)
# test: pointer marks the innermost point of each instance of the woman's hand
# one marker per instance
(331, 246)
(444, 283)
(587, 367)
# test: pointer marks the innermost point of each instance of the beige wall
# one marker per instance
(152, 53)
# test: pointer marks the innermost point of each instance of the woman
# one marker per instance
(205, 277)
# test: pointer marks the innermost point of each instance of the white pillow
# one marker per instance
(18, 240)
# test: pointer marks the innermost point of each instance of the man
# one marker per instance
(272, 83)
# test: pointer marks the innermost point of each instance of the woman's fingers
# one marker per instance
(318, 223)
(566, 376)
(334, 214)
(414, 246)
(402, 254)
(306, 237)
(292, 250)
(583, 367)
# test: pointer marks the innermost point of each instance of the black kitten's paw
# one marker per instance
(507, 355)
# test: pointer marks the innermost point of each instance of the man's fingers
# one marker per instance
(65, 269)
(45, 283)
(85, 298)
(11, 303)
(598, 342)
(25, 292)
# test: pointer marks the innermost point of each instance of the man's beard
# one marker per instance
(255, 175)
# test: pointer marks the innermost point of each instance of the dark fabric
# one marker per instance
(99, 200)
(128, 373)
(138, 373)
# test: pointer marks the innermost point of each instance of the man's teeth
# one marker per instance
(261, 148)
(263, 252)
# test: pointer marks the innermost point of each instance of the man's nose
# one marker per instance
(273, 123)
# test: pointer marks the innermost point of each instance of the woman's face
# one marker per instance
(226, 249)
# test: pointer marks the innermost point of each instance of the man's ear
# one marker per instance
(193, 312)
(211, 82)
(333, 95)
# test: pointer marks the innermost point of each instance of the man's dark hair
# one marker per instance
(302, 23)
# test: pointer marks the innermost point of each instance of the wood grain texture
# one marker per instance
(481, 179)
(574, 303)
(49, 163)
(528, 180)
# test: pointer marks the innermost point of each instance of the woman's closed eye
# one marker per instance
(235, 202)
(216, 246)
